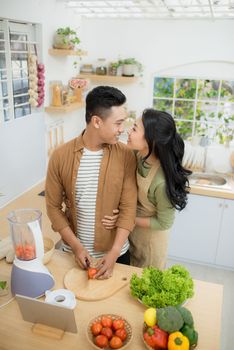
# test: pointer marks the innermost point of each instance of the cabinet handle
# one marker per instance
(220, 205)
(226, 206)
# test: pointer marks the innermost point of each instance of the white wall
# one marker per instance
(23, 143)
(167, 47)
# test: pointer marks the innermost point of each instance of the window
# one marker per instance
(203, 107)
(16, 39)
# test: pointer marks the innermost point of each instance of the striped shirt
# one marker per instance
(85, 199)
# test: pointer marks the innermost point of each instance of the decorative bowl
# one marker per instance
(127, 327)
(49, 248)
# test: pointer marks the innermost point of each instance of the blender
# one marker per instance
(29, 277)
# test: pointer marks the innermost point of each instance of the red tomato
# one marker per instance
(116, 343)
(121, 333)
(19, 251)
(118, 324)
(101, 341)
(91, 273)
(107, 332)
(96, 328)
(106, 321)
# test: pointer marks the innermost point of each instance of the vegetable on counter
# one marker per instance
(177, 341)
(169, 319)
(3, 284)
(190, 333)
(188, 327)
(186, 315)
(156, 337)
(91, 272)
(156, 288)
(150, 316)
(3, 288)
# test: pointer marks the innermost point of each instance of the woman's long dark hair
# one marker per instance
(167, 145)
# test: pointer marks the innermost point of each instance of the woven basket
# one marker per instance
(127, 325)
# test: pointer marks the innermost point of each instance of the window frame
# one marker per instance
(196, 100)
(11, 27)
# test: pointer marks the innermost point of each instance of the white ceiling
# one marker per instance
(153, 9)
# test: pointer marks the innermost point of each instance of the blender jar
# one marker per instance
(24, 237)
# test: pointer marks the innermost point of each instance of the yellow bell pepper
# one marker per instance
(177, 341)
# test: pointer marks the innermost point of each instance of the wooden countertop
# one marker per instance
(215, 192)
(16, 334)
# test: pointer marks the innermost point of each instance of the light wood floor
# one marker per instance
(201, 272)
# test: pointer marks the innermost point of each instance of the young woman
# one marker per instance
(162, 186)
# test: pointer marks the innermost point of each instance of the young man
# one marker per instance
(93, 175)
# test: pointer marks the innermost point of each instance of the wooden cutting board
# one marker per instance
(77, 281)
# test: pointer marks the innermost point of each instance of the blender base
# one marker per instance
(30, 283)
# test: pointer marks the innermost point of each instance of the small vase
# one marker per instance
(78, 94)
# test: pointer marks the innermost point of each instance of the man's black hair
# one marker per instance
(100, 100)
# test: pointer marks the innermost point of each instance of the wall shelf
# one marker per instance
(109, 78)
(66, 108)
(62, 52)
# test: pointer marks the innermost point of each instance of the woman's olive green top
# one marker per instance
(164, 212)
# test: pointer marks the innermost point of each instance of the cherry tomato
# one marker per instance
(107, 332)
(101, 341)
(116, 342)
(118, 324)
(121, 333)
(19, 251)
(91, 273)
(106, 321)
(96, 328)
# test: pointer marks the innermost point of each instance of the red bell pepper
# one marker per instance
(156, 338)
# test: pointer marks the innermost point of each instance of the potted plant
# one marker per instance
(65, 38)
(130, 65)
(113, 67)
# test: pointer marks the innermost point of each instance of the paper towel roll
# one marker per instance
(61, 297)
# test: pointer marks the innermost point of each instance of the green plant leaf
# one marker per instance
(3, 284)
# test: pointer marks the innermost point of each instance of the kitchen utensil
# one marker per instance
(56, 136)
(127, 327)
(51, 147)
(232, 159)
(221, 160)
(29, 276)
(62, 135)
(190, 157)
(186, 154)
(77, 281)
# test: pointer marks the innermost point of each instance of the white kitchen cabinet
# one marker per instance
(225, 248)
(204, 231)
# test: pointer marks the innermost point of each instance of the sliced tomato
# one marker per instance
(91, 273)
